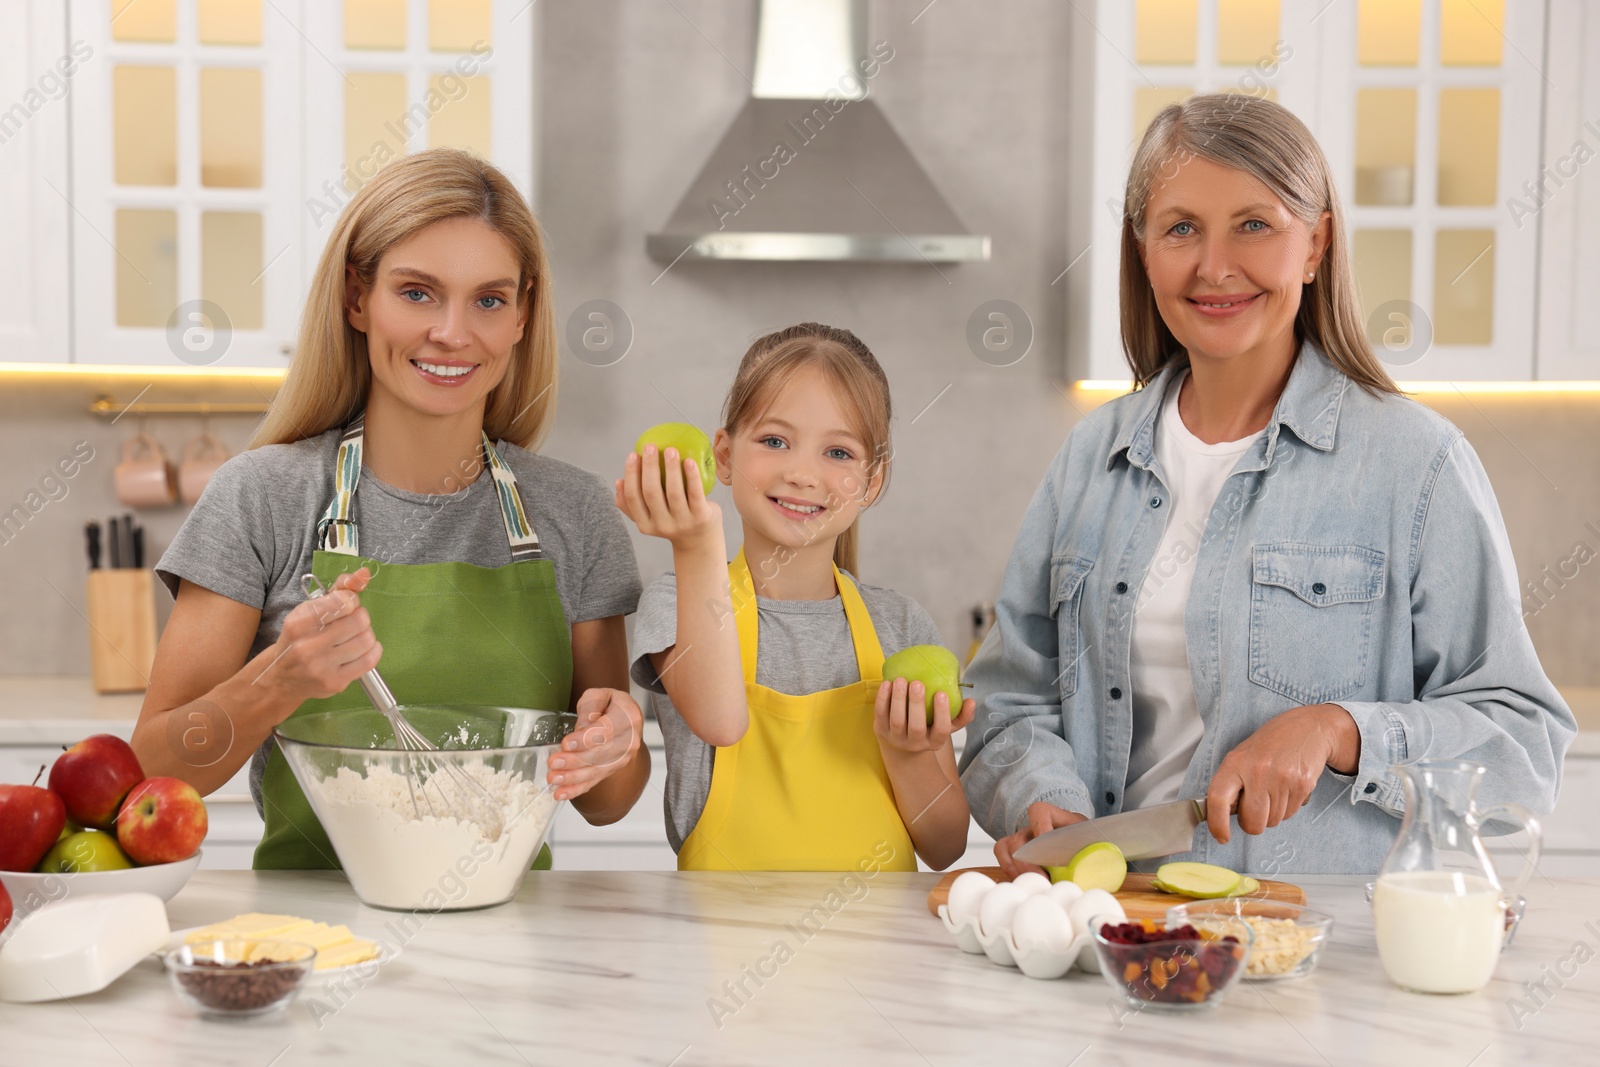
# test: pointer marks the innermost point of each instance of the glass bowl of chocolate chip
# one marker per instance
(239, 977)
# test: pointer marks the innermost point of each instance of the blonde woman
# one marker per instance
(1265, 577)
(396, 464)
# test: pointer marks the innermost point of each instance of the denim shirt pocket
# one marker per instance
(1311, 610)
(1066, 587)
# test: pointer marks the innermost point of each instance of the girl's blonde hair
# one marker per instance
(330, 374)
(849, 366)
(1266, 141)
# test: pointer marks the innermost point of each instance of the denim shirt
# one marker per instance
(1355, 556)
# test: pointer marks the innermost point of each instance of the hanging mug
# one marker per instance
(202, 455)
(144, 477)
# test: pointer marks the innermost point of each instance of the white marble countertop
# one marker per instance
(626, 968)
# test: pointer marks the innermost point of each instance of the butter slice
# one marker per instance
(344, 954)
(335, 945)
(252, 925)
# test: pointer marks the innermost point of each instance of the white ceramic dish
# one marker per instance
(997, 947)
(178, 937)
(162, 880)
(70, 948)
(965, 934)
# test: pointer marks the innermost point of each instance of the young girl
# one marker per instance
(397, 465)
(786, 748)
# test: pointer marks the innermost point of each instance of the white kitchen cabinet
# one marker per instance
(1566, 197)
(38, 70)
(214, 145)
(1428, 113)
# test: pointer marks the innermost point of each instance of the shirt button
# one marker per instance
(1122, 587)
(1155, 502)
(1116, 694)
(1111, 798)
(1372, 787)
(1318, 588)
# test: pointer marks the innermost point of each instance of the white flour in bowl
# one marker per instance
(396, 860)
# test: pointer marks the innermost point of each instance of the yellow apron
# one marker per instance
(805, 788)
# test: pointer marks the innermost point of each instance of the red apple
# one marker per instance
(30, 821)
(93, 778)
(5, 908)
(162, 821)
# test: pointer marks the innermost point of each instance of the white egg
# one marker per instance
(1040, 923)
(1064, 893)
(1093, 902)
(999, 904)
(1033, 882)
(966, 894)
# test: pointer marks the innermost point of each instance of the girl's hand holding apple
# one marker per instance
(673, 507)
(903, 727)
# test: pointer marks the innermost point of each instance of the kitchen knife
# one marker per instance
(137, 537)
(1143, 834)
(92, 531)
(113, 544)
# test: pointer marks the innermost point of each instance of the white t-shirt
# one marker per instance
(1166, 720)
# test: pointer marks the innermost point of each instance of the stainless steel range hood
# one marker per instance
(811, 169)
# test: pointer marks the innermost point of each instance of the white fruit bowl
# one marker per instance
(29, 890)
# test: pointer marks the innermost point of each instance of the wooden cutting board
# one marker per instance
(1136, 896)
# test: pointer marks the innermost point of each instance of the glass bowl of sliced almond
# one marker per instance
(1286, 939)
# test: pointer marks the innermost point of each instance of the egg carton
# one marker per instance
(1042, 957)
(1035, 961)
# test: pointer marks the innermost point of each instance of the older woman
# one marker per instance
(1265, 577)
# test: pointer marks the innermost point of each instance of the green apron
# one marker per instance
(452, 633)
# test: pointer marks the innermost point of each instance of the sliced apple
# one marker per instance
(1202, 881)
(1248, 887)
(1097, 866)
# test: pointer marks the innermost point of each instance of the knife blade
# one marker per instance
(1144, 834)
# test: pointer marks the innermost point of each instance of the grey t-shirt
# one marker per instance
(803, 647)
(252, 532)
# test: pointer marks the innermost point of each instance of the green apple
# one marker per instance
(1097, 866)
(86, 850)
(935, 667)
(1203, 881)
(690, 443)
(69, 828)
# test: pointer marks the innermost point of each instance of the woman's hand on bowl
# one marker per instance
(609, 731)
(325, 643)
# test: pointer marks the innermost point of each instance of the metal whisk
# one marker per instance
(458, 795)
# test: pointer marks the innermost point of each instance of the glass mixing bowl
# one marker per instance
(444, 830)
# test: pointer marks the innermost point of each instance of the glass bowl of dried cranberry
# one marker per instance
(1178, 968)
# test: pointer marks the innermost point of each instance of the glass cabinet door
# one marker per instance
(185, 165)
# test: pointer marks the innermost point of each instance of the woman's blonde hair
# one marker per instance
(329, 376)
(1266, 141)
(847, 365)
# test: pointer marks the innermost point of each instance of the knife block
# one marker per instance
(122, 629)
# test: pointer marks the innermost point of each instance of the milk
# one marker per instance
(1438, 931)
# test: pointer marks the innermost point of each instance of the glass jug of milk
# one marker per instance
(1439, 907)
